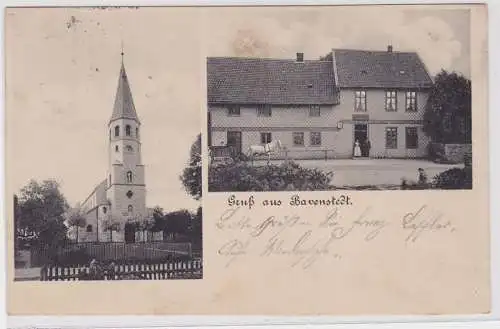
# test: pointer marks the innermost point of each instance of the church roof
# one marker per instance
(124, 104)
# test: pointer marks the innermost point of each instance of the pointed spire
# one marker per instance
(124, 104)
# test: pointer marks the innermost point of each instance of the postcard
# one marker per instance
(246, 160)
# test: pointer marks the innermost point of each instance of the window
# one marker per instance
(129, 148)
(314, 111)
(117, 131)
(411, 138)
(360, 101)
(233, 110)
(127, 130)
(315, 138)
(411, 101)
(137, 132)
(110, 134)
(264, 111)
(110, 180)
(129, 194)
(391, 137)
(104, 209)
(89, 228)
(390, 101)
(265, 138)
(129, 176)
(130, 208)
(116, 148)
(298, 139)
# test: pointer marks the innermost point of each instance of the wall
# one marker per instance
(286, 120)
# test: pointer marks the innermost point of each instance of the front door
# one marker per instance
(129, 233)
(234, 140)
(361, 135)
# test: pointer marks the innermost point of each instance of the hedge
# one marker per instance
(288, 176)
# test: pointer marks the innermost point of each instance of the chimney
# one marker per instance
(389, 48)
(300, 57)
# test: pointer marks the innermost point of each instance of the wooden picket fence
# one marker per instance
(187, 269)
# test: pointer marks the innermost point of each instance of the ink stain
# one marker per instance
(72, 22)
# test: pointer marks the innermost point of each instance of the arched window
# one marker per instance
(127, 130)
(104, 209)
(117, 131)
(89, 228)
(116, 148)
(130, 208)
(129, 176)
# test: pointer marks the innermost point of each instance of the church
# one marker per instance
(118, 203)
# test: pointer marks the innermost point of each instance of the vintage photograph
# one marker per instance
(100, 191)
(338, 105)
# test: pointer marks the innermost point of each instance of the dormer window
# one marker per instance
(127, 130)
(117, 131)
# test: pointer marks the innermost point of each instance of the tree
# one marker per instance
(191, 176)
(177, 222)
(75, 218)
(41, 209)
(447, 117)
(158, 219)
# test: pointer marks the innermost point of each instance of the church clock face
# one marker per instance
(130, 194)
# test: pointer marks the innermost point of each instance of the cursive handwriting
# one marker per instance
(307, 240)
(420, 222)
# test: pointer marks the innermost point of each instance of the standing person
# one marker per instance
(368, 146)
(357, 149)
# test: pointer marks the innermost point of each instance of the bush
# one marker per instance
(289, 176)
(454, 179)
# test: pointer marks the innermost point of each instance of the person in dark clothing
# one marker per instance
(367, 147)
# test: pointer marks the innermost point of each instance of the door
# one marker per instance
(234, 140)
(129, 233)
(361, 135)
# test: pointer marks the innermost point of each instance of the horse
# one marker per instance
(265, 149)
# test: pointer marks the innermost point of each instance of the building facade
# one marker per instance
(118, 202)
(319, 108)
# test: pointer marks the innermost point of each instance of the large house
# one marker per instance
(118, 202)
(319, 108)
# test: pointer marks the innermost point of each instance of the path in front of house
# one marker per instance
(360, 172)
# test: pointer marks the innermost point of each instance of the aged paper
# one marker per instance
(363, 243)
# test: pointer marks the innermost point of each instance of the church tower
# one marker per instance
(126, 188)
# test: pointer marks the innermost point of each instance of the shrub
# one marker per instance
(289, 176)
(455, 178)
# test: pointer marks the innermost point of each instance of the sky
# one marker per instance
(62, 69)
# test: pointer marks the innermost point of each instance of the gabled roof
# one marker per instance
(380, 69)
(269, 81)
(124, 104)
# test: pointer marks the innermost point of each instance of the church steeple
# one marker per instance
(124, 104)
